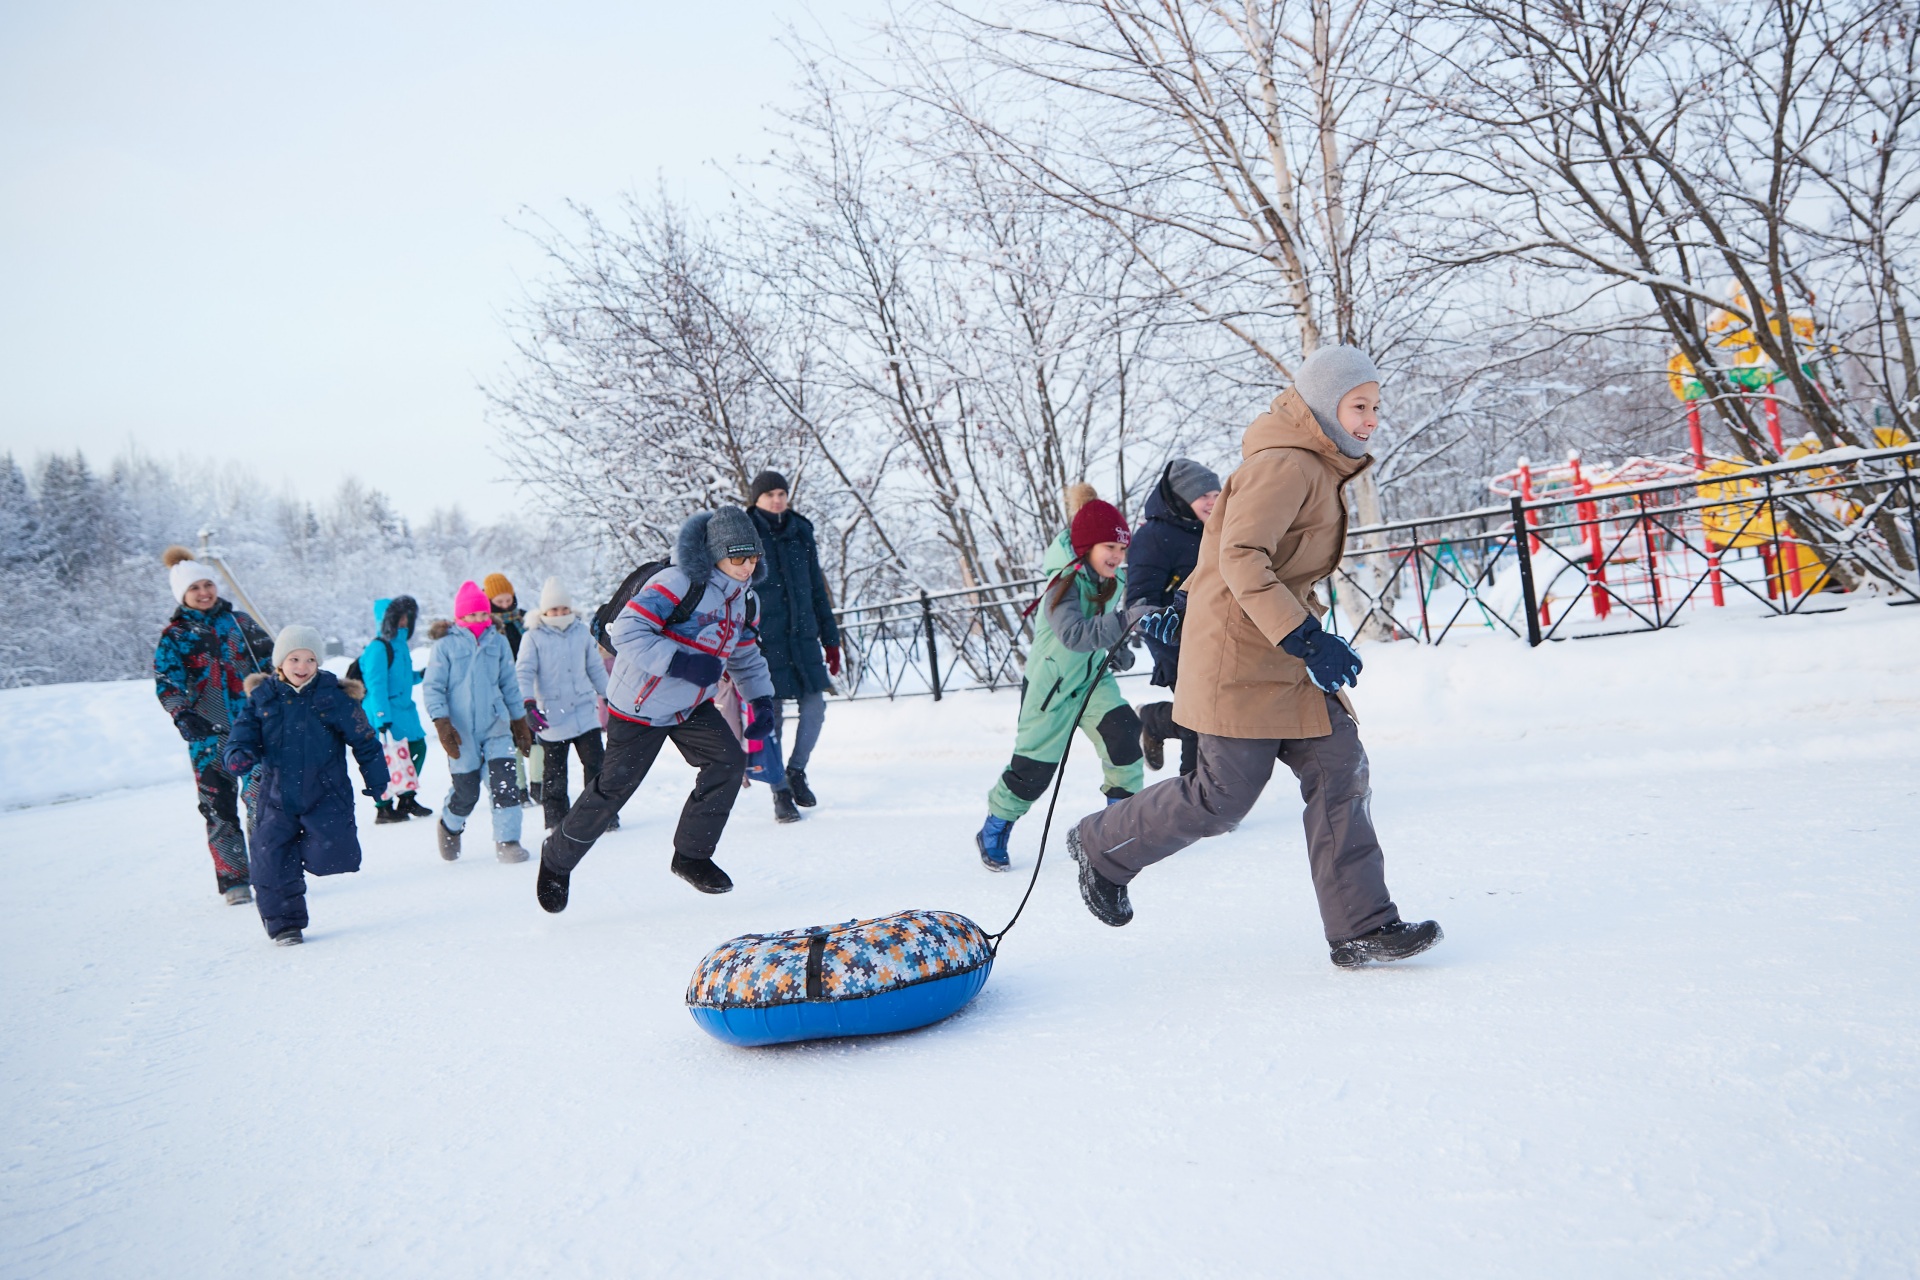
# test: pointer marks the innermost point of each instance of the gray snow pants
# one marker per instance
(1349, 871)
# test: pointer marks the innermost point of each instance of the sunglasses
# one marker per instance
(737, 561)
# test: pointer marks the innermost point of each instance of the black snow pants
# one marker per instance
(219, 796)
(1349, 870)
(704, 740)
(553, 776)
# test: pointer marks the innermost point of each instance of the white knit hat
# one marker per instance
(553, 595)
(297, 637)
(183, 571)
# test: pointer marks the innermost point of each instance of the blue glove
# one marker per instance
(1162, 626)
(1331, 661)
(762, 709)
(239, 762)
(695, 667)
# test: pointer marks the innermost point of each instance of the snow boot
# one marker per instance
(449, 841)
(238, 896)
(510, 851)
(288, 938)
(992, 842)
(386, 813)
(410, 805)
(802, 793)
(702, 874)
(1153, 748)
(1116, 795)
(550, 887)
(1107, 900)
(783, 810)
(1389, 942)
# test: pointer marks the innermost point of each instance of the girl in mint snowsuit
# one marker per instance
(1080, 618)
(474, 700)
(386, 668)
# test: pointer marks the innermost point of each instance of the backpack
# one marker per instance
(353, 668)
(630, 587)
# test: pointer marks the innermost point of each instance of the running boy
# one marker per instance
(672, 642)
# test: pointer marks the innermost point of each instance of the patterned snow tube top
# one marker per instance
(861, 978)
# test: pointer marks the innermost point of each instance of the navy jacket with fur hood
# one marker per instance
(1162, 554)
(640, 688)
(295, 737)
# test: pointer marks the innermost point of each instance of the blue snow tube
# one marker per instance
(861, 978)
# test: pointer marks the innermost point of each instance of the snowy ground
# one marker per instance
(1674, 1029)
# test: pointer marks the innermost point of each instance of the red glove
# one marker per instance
(833, 659)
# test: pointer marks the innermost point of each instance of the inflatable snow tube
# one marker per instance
(861, 978)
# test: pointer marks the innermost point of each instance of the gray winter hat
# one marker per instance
(297, 637)
(731, 533)
(1325, 376)
(1189, 480)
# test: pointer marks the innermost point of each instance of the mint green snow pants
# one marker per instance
(1048, 717)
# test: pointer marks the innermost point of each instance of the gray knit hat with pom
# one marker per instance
(1324, 377)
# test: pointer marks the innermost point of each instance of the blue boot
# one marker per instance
(1116, 795)
(992, 840)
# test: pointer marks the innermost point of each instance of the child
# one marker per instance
(1260, 681)
(562, 679)
(386, 667)
(1079, 621)
(505, 608)
(205, 654)
(672, 642)
(471, 695)
(1161, 556)
(291, 731)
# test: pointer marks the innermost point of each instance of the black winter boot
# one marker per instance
(1153, 748)
(550, 887)
(410, 805)
(802, 793)
(702, 874)
(386, 813)
(1394, 941)
(1107, 900)
(449, 841)
(288, 938)
(783, 810)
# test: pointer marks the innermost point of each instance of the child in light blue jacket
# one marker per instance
(474, 701)
(688, 626)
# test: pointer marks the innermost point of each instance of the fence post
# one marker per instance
(933, 645)
(1520, 535)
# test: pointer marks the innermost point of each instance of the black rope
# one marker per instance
(1059, 779)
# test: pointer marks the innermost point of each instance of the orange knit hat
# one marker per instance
(496, 584)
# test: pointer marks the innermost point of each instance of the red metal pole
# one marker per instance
(1773, 425)
(1694, 438)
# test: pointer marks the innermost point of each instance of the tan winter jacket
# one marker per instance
(1279, 528)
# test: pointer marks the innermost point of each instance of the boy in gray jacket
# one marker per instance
(668, 660)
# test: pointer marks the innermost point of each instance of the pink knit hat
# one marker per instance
(471, 599)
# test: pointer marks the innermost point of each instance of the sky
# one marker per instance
(288, 235)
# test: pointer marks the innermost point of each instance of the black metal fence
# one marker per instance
(1777, 540)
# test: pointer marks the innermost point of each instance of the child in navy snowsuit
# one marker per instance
(290, 736)
(669, 657)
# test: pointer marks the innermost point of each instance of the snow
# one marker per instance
(1673, 1029)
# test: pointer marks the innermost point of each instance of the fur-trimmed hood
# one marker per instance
(691, 557)
(353, 688)
(438, 628)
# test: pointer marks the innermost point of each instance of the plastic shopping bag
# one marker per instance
(402, 778)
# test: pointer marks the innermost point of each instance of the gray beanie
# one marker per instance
(297, 637)
(1324, 377)
(731, 533)
(1189, 480)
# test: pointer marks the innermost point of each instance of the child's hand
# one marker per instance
(762, 711)
(694, 667)
(522, 736)
(534, 717)
(239, 762)
(449, 737)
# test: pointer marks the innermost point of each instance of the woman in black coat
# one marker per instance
(798, 635)
(1163, 552)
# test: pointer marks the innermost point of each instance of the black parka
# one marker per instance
(796, 613)
(1161, 555)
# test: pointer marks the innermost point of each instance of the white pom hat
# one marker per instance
(183, 571)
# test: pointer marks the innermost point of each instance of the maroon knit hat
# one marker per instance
(1095, 523)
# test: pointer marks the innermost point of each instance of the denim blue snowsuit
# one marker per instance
(471, 682)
